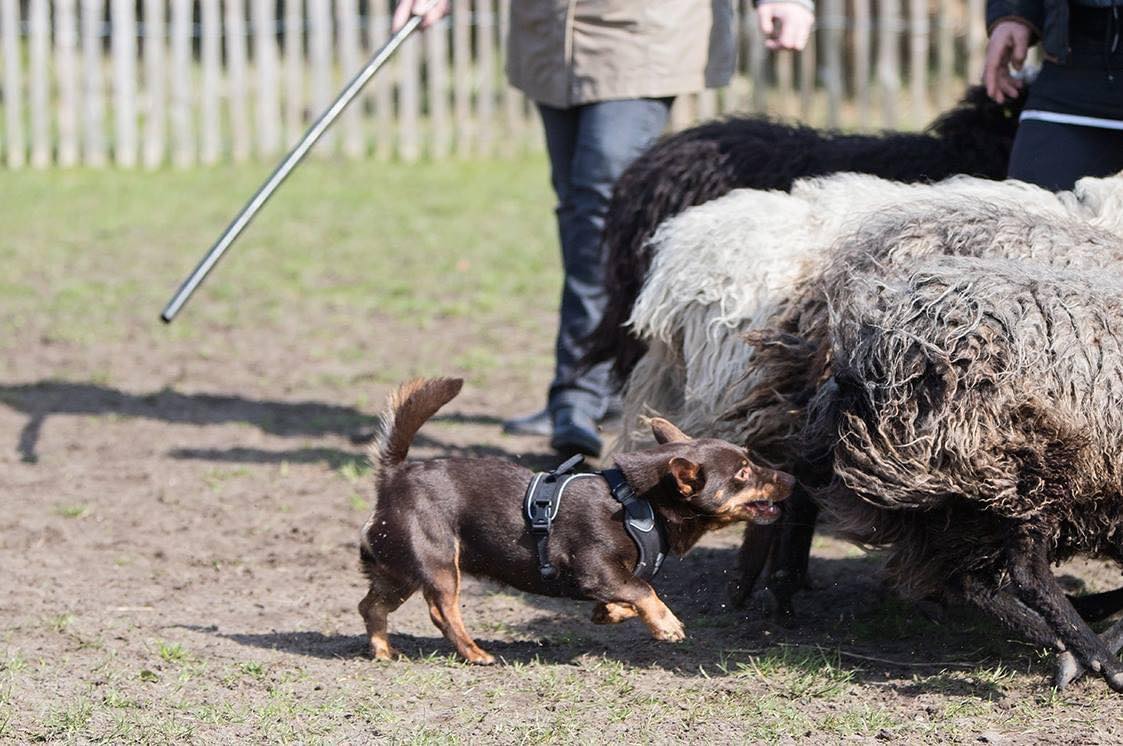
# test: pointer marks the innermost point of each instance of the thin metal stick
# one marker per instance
(287, 165)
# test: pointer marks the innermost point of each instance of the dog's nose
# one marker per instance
(783, 483)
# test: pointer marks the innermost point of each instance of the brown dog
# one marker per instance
(436, 519)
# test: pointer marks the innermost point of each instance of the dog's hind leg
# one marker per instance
(386, 594)
(442, 591)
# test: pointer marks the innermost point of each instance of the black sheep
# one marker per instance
(708, 161)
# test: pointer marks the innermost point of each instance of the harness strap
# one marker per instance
(543, 500)
(543, 496)
(641, 524)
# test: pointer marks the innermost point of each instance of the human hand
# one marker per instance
(430, 11)
(785, 25)
(1009, 42)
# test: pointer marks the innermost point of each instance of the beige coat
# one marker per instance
(568, 52)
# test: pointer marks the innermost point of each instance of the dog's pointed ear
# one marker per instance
(665, 432)
(687, 475)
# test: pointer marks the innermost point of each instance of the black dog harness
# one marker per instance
(543, 501)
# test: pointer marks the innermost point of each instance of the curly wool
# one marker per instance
(757, 261)
(706, 162)
(968, 395)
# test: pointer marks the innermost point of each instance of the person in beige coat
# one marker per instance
(604, 74)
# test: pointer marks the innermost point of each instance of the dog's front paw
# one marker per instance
(669, 629)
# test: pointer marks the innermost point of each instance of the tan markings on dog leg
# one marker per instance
(660, 620)
(444, 608)
(383, 598)
(613, 612)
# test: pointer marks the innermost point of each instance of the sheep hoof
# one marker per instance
(784, 615)
(738, 598)
(1115, 681)
(1068, 670)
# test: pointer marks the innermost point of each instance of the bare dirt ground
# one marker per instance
(178, 554)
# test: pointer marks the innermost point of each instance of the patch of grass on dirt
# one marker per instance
(66, 720)
(60, 622)
(72, 511)
(173, 652)
(797, 673)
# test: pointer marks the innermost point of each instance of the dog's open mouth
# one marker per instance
(763, 512)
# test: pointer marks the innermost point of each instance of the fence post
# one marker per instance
(436, 66)
(976, 39)
(784, 62)
(862, 32)
(347, 41)
(212, 81)
(236, 93)
(13, 84)
(807, 79)
(39, 81)
(93, 110)
(409, 100)
(383, 83)
(945, 55)
(832, 27)
(319, 51)
(918, 63)
(124, 82)
(462, 81)
(265, 63)
(294, 70)
(155, 81)
(183, 132)
(512, 99)
(66, 63)
(485, 70)
(758, 55)
(888, 60)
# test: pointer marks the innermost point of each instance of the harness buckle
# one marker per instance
(541, 509)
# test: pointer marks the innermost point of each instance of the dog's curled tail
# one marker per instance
(407, 409)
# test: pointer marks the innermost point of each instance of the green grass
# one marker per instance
(72, 511)
(90, 256)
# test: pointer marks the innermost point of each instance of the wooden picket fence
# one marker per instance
(150, 82)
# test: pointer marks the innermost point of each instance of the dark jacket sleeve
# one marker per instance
(1029, 12)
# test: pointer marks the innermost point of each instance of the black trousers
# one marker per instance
(1054, 156)
(1089, 84)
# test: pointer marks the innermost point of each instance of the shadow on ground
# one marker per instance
(848, 624)
(287, 419)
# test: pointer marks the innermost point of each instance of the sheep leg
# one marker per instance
(1069, 670)
(1006, 608)
(1096, 606)
(788, 572)
(757, 548)
(1036, 586)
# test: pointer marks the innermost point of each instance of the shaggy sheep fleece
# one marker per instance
(757, 260)
(969, 395)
